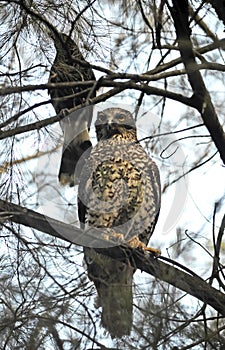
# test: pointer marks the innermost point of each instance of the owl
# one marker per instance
(119, 196)
(75, 125)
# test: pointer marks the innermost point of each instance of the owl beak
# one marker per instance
(112, 128)
(109, 125)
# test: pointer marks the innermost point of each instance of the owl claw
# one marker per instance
(136, 243)
(155, 251)
(113, 236)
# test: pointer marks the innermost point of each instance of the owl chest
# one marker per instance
(116, 192)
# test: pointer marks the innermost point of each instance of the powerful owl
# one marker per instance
(66, 69)
(119, 195)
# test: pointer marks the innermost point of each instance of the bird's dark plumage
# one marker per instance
(120, 192)
(75, 125)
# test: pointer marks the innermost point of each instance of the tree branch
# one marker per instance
(187, 282)
(201, 98)
(219, 7)
(117, 88)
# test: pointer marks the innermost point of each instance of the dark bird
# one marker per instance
(119, 193)
(75, 125)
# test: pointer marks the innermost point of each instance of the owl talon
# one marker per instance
(154, 251)
(136, 243)
(115, 237)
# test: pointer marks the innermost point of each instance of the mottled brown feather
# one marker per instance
(119, 190)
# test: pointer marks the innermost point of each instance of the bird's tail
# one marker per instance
(76, 144)
(69, 170)
(117, 309)
(113, 281)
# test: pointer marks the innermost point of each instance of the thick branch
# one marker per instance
(118, 87)
(188, 283)
(48, 121)
(202, 50)
(201, 98)
(219, 6)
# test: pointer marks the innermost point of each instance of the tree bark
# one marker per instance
(201, 98)
(219, 7)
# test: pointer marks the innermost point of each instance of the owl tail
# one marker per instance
(69, 168)
(76, 145)
(113, 281)
(116, 301)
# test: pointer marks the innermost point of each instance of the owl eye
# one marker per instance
(102, 117)
(120, 117)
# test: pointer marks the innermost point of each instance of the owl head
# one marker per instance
(114, 121)
(63, 43)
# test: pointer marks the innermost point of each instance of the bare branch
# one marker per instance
(188, 283)
(201, 98)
